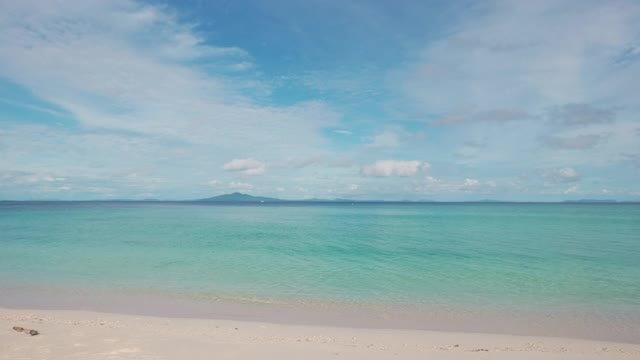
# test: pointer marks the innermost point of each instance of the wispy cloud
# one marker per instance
(138, 75)
(490, 96)
(394, 167)
(581, 114)
(579, 142)
(343, 132)
(33, 107)
(495, 115)
(510, 52)
(564, 175)
(249, 167)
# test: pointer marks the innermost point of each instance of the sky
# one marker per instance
(403, 100)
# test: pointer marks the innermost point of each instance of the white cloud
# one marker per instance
(521, 53)
(343, 132)
(544, 83)
(394, 167)
(249, 167)
(51, 178)
(146, 88)
(151, 99)
(470, 183)
(563, 175)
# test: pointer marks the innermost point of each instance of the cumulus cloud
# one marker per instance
(249, 167)
(394, 167)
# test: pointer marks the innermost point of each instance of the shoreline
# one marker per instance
(623, 327)
(66, 334)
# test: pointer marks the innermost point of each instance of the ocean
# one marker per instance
(469, 255)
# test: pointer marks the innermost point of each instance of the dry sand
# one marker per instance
(92, 335)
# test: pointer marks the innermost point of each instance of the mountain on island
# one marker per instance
(239, 197)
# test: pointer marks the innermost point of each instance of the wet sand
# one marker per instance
(588, 324)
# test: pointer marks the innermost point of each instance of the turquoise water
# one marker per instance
(522, 255)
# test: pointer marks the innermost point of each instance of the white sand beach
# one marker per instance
(93, 335)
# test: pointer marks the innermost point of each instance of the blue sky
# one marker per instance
(443, 100)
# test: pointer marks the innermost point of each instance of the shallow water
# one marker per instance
(517, 256)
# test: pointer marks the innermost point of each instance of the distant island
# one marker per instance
(239, 197)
